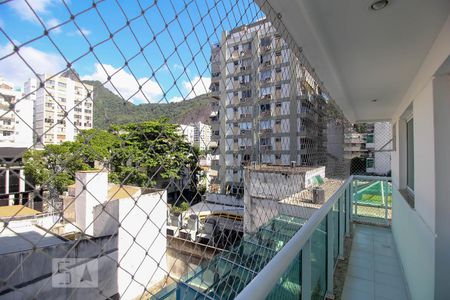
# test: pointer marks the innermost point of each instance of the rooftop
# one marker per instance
(17, 211)
(280, 168)
(22, 237)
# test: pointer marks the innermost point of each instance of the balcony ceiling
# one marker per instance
(362, 54)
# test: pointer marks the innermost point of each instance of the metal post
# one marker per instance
(347, 211)
(350, 204)
(355, 198)
(330, 256)
(306, 271)
(385, 202)
(341, 227)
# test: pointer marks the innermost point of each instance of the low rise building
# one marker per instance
(117, 232)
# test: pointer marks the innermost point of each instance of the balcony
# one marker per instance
(265, 147)
(297, 256)
(266, 97)
(294, 251)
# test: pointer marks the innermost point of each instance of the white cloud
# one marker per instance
(178, 67)
(176, 99)
(85, 31)
(54, 22)
(77, 32)
(23, 10)
(197, 86)
(126, 84)
(13, 69)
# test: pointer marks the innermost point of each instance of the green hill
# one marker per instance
(111, 109)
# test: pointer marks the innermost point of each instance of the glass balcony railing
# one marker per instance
(291, 258)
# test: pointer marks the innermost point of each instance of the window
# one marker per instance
(410, 155)
(369, 163)
(246, 94)
(369, 138)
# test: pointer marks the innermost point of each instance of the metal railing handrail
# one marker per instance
(267, 278)
(371, 178)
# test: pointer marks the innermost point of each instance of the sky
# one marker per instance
(174, 36)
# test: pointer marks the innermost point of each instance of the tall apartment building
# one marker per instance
(197, 134)
(16, 117)
(202, 135)
(215, 141)
(62, 107)
(271, 110)
(379, 144)
(188, 132)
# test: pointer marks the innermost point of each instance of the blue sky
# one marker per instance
(156, 69)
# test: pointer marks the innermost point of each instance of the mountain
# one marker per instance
(111, 109)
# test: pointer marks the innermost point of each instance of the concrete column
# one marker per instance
(21, 185)
(21, 180)
(7, 181)
(91, 189)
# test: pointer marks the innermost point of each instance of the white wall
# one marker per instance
(91, 189)
(141, 239)
(414, 229)
(415, 244)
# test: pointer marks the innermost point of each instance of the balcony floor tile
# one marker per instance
(374, 269)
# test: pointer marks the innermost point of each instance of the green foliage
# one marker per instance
(149, 150)
(110, 109)
(184, 206)
(96, 145)
(54, 167)
(137, 154)
(360, 127)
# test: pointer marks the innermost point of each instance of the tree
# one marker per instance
(96, 145)
(138, 154)
(150, 150)
(53, 168)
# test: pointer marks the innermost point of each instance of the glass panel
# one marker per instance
(289, 286)
(319, 262)
(373, 197)
(410, 154)
(335, 220)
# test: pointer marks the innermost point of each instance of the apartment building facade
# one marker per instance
(197, 134)
(16, 117)
(372, 143)
(62, 107)
(271, 110)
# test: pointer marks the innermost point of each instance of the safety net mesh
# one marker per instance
(154, 149)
